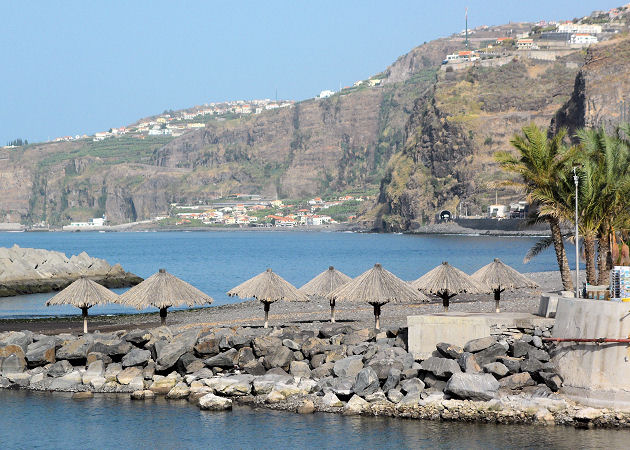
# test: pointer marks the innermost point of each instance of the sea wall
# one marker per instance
(32, 270)
(335, 368)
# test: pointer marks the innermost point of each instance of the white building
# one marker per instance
(583, 39)
(586, 28)
(326, 93)
(497, 211)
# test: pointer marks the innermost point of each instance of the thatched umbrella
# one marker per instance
(445, 282)
(163, 290)
(267, 288)
(324, 283)
(377, 287)
(83, 293)
(499, 277)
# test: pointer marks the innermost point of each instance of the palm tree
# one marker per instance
(542, 165)
(606, 165)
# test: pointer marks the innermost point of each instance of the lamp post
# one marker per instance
(577, 237)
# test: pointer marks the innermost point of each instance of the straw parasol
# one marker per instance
(163, 290)
(83, 293)
(498, 276)
(324, 283)
(445, 282)
(377, 287)
(267, 288)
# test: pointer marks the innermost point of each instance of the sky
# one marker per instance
(74, 67)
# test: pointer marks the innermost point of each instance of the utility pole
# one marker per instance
(577, 237)
(466, 27)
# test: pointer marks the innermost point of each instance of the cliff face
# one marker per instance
(317, 146)
(601, 94)
(447, 161)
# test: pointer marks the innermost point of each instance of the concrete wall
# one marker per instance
(594, 374)
(456, 328)
(503, 224)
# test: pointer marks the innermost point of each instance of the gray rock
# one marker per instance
(291, 344)
(358, 349)
(207, 346)
(300, 369)
(366, 382)
(94, 356)
(517, 381)
(336, 352)
(410, 400)
(75, 350)
(168, 354)
(238, 341)
(213, 402)
(41, 352)
(393, 378)
(264, 384)
(412, 385)
(138, 337)
(318, 360)
(330, 329)
(520, 348)
(531, 365)
(449, 351)
(410, 373)
(490, 354)
(278, 371)
(245, 355)
(136, 357)
(313, 346)
(234, 385)
(537, 342)
(226, 359)
(497, 369)
(476, 345)
(538, 354)
(279, 357)
(382, 366)
(60, 368)
(394, 395)
(114, 348)
(468, 363)
(20, 338)
(68, 381)
(13, 364)
(343, 387)
(348, 367)
(512, 364)
(470, 386)
(552, 380)
(440, 367)
(325, 370)
(112, 371)
(378, 396)
(254, 367)
(264, 345)
(330, 400)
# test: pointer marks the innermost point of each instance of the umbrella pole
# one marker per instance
(377, 316)
(84, 313)
(266, 306)
(163, 312)
(332, 311)
(497, 299)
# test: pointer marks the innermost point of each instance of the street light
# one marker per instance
(576, 179)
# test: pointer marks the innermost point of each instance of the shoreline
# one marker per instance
(336, 368)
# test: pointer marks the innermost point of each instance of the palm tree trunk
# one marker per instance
(589, 255)
(604, 259)
(561, 255)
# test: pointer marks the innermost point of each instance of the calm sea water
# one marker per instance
(217, 261)
(44, 420)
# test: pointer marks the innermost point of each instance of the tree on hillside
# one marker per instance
(542, 163)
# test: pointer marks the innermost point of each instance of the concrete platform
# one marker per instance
(457, 328)
(594, 374)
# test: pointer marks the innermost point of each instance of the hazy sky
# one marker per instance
(73, 67)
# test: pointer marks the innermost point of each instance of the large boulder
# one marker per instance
(497, 369)
(60, 368)
(235, 385)
(20, 338)
(264, 384)
(67, 382)
(264, 345)
(137, 337)
(114, 348)
(336, 352)
(96, 369)
(136, 357)
(470, 386)
(412, 385)
(300, 369)
(245, 355)
(476, 345)
(520, 348)
(348, 367)
(313, 346)
(449, 351)
(468, 363)
(330, 400)
(280, 356)
(76, 350)
(213, 402)
(517, 381)
(15, 351)
(13, 364)
(366, 382)
(393, 378)
(491, 354)
(227, 359)
(168, 355)
(179, 391)
(41, 352)
(325, 370)
(440, 367)
(356, 405)
(207, 346)
(162, 385)
(125, 376)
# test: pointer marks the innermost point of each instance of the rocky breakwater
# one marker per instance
(332, 368)
(31, 270)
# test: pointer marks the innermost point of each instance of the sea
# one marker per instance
(215, 262)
